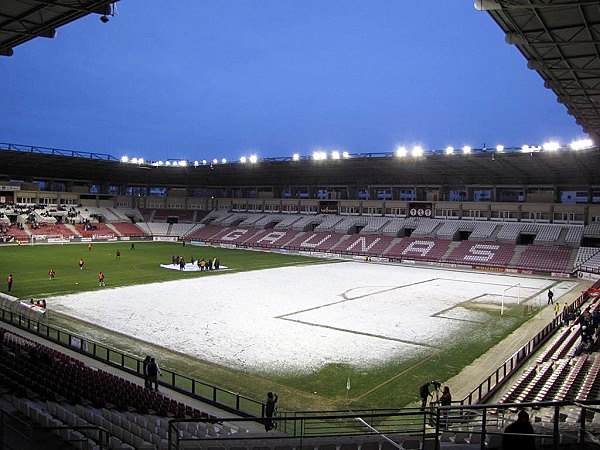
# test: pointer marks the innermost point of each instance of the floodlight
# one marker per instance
(141, 161)
(401, 152)
(335, 155)
(243, 160)
(581, 144)
(253, 159)
(551, 146)
(182, 163)
(417, 151)
(160, 163)
(499, 148)
(525, 148)
(466, 149)
(224, 161)
(195, 163)
(133, 161)
(203, 162)
(104, 19)
(124, 159)
(449, 150)
(346, 155)
(168, 163)
(295, 157)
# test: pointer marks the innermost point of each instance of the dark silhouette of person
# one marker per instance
(145, 371)
(153, 371)
(520, 439)
(270, 410)
(424, 394)
(9, 281)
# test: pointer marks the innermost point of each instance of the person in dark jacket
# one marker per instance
(153, 371)
(522, 438)
(145, 371)
(270, 410)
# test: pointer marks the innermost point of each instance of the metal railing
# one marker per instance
(475, 425)
(493, 382)
(232, 402)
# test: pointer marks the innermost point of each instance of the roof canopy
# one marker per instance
(21, 21)
(561, 41)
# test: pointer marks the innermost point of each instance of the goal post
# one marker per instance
(509, 293)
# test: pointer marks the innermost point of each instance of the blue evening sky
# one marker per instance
(199, 79)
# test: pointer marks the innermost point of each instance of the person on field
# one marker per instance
(81, 263)
(550, 297)
(90, 247)
(51, 274)
(101, 281)
(9, 282)
(118, 254)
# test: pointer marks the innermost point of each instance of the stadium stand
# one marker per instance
(288, 221)
(272, 238)
(158, 228)
(309, 223)
(91, 230)
(425, 227)
(63, 391)
(205, 232)
(316, 241)
(418, 249)
(546, 258)
(367, 245)
(351, 225)
(329, 223)
(494, 254)
(130, 229)
(374, 225)
(252, 219)
(269, 220)
(393, 227)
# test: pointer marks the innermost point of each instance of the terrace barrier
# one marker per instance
(497, 379)
(232, 402)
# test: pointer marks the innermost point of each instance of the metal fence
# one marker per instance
(227, 400)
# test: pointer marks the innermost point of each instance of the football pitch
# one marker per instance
(300, 326)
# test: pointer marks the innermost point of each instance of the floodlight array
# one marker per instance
(401, 151)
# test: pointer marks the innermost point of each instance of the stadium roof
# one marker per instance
(561, 41)
(23, 20)
(573, 169)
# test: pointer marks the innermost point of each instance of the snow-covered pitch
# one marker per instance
(303, 317)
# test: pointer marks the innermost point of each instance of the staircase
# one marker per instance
(111, 226)
(450, 249)
(519, 249)
(342, 240)
(73, 229)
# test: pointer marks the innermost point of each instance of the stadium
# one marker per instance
(346, 283)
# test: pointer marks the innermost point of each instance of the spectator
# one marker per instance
(445, 400)
(270, 408)
(153, 371)
(145, 371)
(516, 434)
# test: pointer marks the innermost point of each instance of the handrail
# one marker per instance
(390, 425)
(493, 382)
(229, 401)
